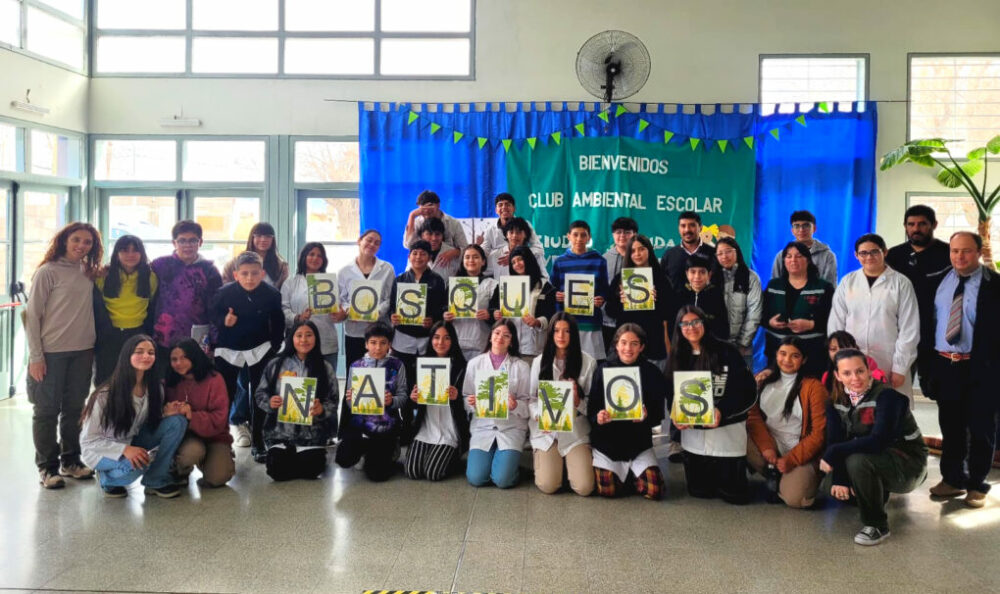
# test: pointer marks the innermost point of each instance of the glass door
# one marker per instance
(10, 302)
(149, 215)
(226, 217)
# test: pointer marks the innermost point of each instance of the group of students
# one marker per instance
(825, 416)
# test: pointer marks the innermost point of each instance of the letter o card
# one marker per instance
(362, 300)
(623, 393)
(433, 377)
(694, 404)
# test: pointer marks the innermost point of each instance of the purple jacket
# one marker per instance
(185, 292)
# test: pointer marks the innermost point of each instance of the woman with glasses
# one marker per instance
(797, 303)
(878, 307)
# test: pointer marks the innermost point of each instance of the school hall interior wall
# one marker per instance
(701, 52)
(64, 92)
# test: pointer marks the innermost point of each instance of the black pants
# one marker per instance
(377, 452)
(58, 402)
(924, 366)
(231, 373)
(354, 349)
(968, 417)
(287, 463)
(109, 345)
(712, 476)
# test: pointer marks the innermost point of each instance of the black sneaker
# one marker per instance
(870, 535)
(115, 492)
(167, 491)
(180, 480)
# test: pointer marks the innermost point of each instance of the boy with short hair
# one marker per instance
(412, 340)
(249, 327)
(623, 229)
(703, 293)
(495, 236)
(803, 226)
(372, 437)
(432, 231)
(517, 232)
(675, 258)
(429, 207)
(579, 259)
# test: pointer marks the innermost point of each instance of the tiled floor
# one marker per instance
(344, 534)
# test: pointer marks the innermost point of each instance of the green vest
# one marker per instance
(858, 421)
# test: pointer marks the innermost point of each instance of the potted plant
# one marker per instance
(934, 153)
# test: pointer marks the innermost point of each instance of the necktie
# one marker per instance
(953, 333)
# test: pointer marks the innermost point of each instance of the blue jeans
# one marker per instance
(499, 466)
(168, 436)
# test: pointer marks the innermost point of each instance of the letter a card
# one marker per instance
(368, 391)
(492, 389)
(555, 406)
(433, 377)
(623, 393)
(694, 404)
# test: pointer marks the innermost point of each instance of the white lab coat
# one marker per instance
(543, 440)
(474, 334)
(883, 319)
(382, 272)
(509, 434)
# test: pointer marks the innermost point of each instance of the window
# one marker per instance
(73, 8)
(54, 30)
(955, 212)
(10, 22)
(135, 160)
(44, 215)
(811, 79)
(226, 222)
(313, 38)
(150, 218)
(225, 160)
(955, 97)
(8, 147)
(336, 223)
(318, 162)
(55, 154)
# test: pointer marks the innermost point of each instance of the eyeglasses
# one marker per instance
(692, 324)
(187, 241)
(802, 226)
(725, 252)
(869, 253)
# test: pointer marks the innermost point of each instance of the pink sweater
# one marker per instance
(209, 406)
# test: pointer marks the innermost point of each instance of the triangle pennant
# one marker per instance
(621, 109)
(776, 133)
(556, 137)
(457, 136)
(531, 142)
(580, 128)
(481, 141)
(412, 117)
(824, 107)
(667, 135)
(435, 127)
(694, 142)
(748, 140)
(603, 115)
(801, 120)
(643, 124)
(506, 144)
(722, 145)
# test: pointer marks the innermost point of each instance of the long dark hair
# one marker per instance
(300, 267)
(574, 352)
(741, 280)
(793, 394)
(812, 272)
(461, 265)
(272, 262)
(681, 351)
(113, 281)
(845, 340)
(315, 363)
(454, 353)
(653, 262)
(119, 412)
(201, 365)
(515, 349)
(531, 267)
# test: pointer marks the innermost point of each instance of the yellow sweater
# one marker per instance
(128, 310)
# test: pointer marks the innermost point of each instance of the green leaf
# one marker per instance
(993, 146)
(481, 141)
(411, 118)
(949, 177)
(667, 135)
(556, 137)
(976, 154)
(435, 127)
(917, 153)
(456, 136)
(581, 127)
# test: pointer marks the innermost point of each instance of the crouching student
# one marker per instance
(787, 426)
(441, 433)
(623, 450)
(374, 437)
(126, 432)
(495, 444)
(874, 446)
(563, 359)
(715, 462)
(194, 389)
(298, 451)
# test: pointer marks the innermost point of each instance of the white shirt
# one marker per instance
(883, 319)
(496, 270)
(295, 300)
(96, 442)
(493, 239)
(474, 334)
(438, 427)
(445, 270)
(530, 340)
(508, 434)
(729, 441)
(454, 234)
(240, 358)
(543, 440)
(786, 431)
(382, 272)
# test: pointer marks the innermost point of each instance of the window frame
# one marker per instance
(959, 157)
(912, 197)
(189, 33)
(82, 24)
(865, 57)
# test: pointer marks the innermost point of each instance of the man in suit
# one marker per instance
(967, 338)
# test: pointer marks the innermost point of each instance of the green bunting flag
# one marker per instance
(506, 144)
(556, 137)
(776, 133)
(643, 124)
(723, 144)
(481, 141)
(694, 142)
(749, 141)
(435, 127)
(603, 115)
(621, 109)
(531, 142)
(801, 119)
(457, 136)
(411, 118)
(824, 107)
(580, 128)
(667, 135)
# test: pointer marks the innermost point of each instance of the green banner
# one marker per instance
(599, 179)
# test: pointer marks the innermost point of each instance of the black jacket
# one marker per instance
(739, 390)
(650, 320)
(925, 269)
(711, 300)
(258, 313)
(624, 440)
(437, 299)
(417, 413)
(674, 260)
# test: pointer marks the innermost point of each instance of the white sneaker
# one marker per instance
(870, 535)
(242, 436)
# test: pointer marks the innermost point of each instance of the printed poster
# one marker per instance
(433, 380)
(623, 393)
(411, 303)
(555, 406)
(515, 296)
(321, 289)
(579, 294)
(463, 292)
(362, 300)
(492, 389)
(297, 395)
(637, 285)
(693, 400)
(367, 391)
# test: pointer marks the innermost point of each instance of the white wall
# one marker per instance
(62, 91)
(705, 51)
